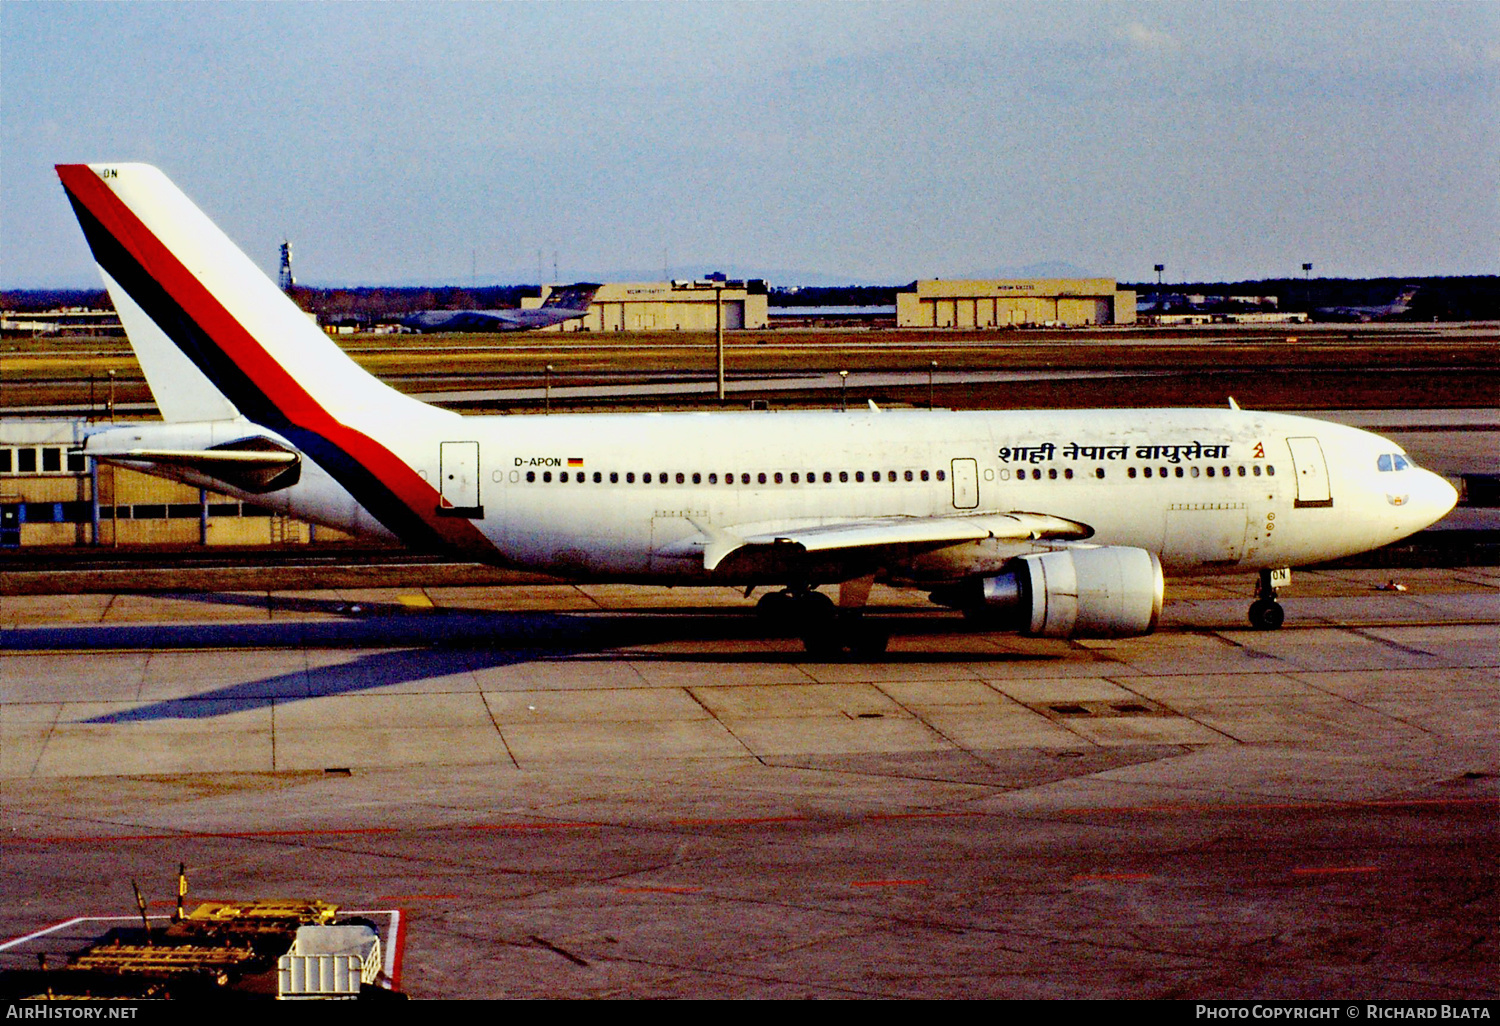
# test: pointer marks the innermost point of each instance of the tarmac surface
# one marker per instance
(590, 791)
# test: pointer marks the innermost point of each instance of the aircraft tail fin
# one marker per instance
(571, 297)
(214, 335)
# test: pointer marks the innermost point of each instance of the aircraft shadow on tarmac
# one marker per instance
(414, 647)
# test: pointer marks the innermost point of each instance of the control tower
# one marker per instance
(285, 279)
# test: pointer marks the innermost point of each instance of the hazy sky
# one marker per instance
(407, 142)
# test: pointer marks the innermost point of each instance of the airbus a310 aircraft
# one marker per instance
(1050, 523)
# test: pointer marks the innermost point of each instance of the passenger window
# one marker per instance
(614, 477)
(859, 475)
(924, 475)
(530, 477)
(1068, 473)
(1257, 470)
(827, 477)
(1210, 471)
(777, 478)
(1270, 470)
(1226, 471)
(1161, 471)
(744, 479)
(662, 477)
(546, 477)
(1130, 472)
(598, 477)
(908, 475)
(562, 478)
(630, 477)
(1179, 471)
(697, 478)
(646, 478)
(681, 477)
(1052, 473)
(760, 478)
(1146, 471)
(713, 478)
(1242, 470)
(1194, 472)
(1099, 473)
(843, 477)
(941, 476)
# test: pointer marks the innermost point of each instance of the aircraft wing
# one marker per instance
(870, 539)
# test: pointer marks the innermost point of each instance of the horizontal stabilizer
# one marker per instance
(256, 465)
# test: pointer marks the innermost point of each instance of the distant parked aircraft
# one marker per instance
(564, 304)
(1367, 313)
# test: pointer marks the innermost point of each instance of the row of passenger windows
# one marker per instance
(891, 476)
(795, 477)
(1131, 472)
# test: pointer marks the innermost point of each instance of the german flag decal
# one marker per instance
(575, 461)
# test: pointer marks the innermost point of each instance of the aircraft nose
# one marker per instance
(1432, 498)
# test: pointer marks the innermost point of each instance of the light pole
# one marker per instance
(844, 390)
(931, 370)
(111, 397)
(718, 283)
(719, 333)
(1307, 286)
(548, 407)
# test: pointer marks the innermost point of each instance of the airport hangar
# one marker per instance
(925, 303)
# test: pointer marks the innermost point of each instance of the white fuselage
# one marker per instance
(614, 496)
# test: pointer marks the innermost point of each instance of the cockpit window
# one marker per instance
(1392, 461)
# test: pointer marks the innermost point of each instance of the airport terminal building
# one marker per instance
(1002, 303)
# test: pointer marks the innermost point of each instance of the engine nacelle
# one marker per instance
(1113, 591)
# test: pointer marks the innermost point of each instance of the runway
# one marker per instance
(620, 791)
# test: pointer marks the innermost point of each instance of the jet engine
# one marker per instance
(1112, 591)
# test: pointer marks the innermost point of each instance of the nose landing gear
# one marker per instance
(1266, 613)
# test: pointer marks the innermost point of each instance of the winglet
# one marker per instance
(1232, 404)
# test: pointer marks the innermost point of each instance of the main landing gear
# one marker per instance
(1266, 613)
(827, 631)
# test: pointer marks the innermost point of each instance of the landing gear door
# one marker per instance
(965, 484)
(1312, 472)
(458, 471)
